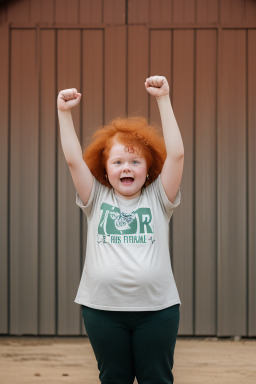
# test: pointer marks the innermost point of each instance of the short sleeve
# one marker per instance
(88, 207)
(169, 207)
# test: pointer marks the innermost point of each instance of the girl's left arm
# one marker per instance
(172, 170)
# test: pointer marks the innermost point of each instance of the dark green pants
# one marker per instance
(129, 344)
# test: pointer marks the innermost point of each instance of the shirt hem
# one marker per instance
(127, 309)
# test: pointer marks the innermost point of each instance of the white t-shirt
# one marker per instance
(127, 265)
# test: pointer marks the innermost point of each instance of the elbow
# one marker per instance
(180, 156)
(72, 163)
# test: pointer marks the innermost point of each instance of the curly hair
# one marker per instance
(133, 132)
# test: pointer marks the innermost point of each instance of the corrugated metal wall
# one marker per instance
(206, 49)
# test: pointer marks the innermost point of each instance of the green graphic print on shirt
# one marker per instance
(118, 227)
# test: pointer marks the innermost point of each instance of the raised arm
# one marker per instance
(173, 166)
(81, 175)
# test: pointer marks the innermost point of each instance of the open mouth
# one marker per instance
(127, 180)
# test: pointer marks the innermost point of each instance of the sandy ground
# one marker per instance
(71, 360)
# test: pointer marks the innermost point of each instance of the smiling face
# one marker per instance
(126, 170)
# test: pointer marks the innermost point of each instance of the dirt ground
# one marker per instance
(71, 360)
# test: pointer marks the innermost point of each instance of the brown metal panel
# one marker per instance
(24, 184)
(252, 181)
(184, 11)
(92, 85)
(138, 71)
(207, 11)
(250, 11)
(68, 76)
(18, 11)
(183, 242)
(66, 11)
(92, 102)
(47, 184)
(232, 11)
(114, 11)
(4, 98)
(138, 12)
(160, 64)
(90, 11)
(205, 183)
(42, 11)
(3, 12)
(232, 186)
(160, 11)
(115, 87)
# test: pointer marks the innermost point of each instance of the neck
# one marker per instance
(127, 197)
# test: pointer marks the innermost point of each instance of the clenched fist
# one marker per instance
(157, 86)
(67, 99)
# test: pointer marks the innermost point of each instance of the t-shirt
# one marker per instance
(127, 265)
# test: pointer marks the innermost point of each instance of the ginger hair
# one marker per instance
(133, 132)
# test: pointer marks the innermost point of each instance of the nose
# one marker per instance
(127, 166)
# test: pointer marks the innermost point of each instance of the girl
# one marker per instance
(127, 184)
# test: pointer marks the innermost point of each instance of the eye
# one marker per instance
(117, 162)
(135, 162)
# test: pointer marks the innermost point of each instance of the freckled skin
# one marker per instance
(122, 163)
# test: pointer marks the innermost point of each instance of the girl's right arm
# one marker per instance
(81, 174)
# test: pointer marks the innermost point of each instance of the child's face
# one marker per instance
(126, 171)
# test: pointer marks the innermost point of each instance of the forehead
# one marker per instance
(119, 149)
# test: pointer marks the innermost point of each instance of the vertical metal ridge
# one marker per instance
(194, 184)
(218, 224)
(38, 74)
(171, 237)
(216, 178)
(103, 75)
(81, 141)
(126, 11)
(9, 188)
(247, 183)
(56, 189)
(127, 69)
(149, 69)
(81, 85)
